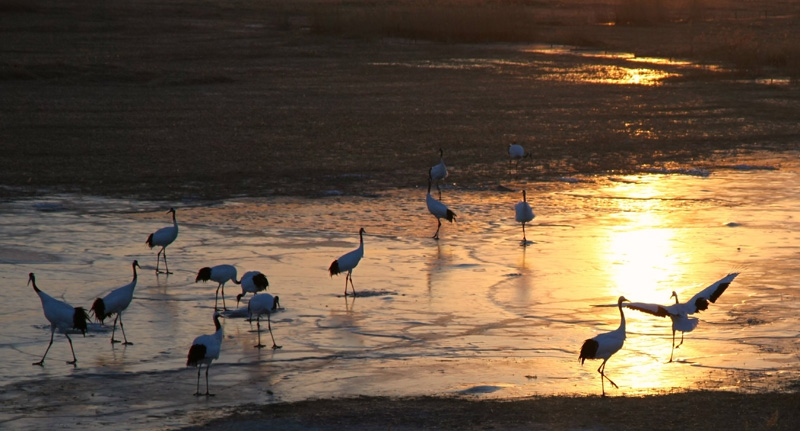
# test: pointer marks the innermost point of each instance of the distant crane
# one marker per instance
(221, 274)
(603, 346)
(205, 349)
(438, 209)
(61, 316)
(517, 153)
(253, 282)
(439, 171)
(348, 262)
(524, 214)
(163, 237)
(679, 312)
(115, 303)
(263, 304)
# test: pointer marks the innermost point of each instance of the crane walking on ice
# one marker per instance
(438, 209)
(349, 261)
(221, 274)
(603, 346)
(204, 350)
(524, 214)
(163, 237)
(263, 304)
(61, 316)
(679, 312)
(115, 303)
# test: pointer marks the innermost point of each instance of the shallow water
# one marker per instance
(474, 313)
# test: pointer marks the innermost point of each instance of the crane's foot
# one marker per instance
(275, 347)
(114, 341)
(40, 363)
(127, 343)
(260, 346)
(75, 362)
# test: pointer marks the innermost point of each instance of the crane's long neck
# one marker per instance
(621, 318)
(218, 333)
(134, 272)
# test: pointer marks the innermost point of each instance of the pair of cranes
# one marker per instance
(604, 345)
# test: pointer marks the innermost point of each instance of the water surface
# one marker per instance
(474, 313)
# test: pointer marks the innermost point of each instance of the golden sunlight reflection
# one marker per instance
(640, 249)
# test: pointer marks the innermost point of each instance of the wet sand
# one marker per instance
(184, 102)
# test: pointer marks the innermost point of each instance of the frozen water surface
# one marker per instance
(474, 313)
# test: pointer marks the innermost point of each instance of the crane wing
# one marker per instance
(654, 309)
(711, 293)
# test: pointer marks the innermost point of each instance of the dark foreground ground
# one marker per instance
(698, 410)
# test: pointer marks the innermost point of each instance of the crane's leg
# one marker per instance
(41, 363)
(121, 326)
(74, 359)
(350, 276)
(524, 237)
(216, 298)
(681, 343)
(673, 346)
(439, 189)
(114, 330)
(224, 307)
(207, 393)
(439, 226)
(158, 260)
(197, 392)
(269, 326)
(602, 370)
(347, 277)
(166, 266)
(258, 325)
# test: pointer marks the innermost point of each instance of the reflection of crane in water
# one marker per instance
(679, 312)
(603, 346)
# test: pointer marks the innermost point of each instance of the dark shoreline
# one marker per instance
(694, 410)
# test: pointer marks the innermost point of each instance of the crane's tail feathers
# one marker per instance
(149, 241)
(80, 320)
(261, 282)
(588, 350)
(196, 354)
(99, 309)
(203, 275)
(451, 216)
(334, 268)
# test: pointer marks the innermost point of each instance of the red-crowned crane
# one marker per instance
(516, 153)
(253, 282)
(524, 214)
(679, 312)
(163, 237)
(263, 304)
(349, 261)
(205, 349)
(439, 172)
(221, 274)
(603, 346)
(115, 303)
(438, 209)
(61, 316)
